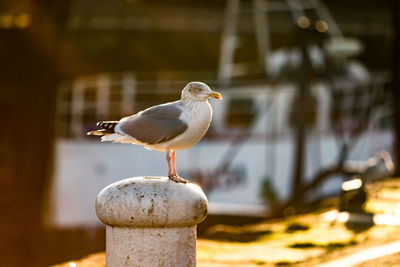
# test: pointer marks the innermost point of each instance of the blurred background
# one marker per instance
(310, 98)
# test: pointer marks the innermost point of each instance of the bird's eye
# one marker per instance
(195, 90)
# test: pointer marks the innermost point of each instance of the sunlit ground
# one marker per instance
(304, 240)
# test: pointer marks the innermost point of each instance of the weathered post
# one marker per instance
(151, 221)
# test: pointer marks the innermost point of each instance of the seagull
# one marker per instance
(167, 127)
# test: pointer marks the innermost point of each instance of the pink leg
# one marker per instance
(174, 176)
(173, 163)
(168, 158)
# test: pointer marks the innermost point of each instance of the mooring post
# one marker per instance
(151, 221)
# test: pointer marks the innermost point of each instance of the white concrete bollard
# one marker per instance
(151, 221)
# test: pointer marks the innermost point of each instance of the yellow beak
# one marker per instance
(215, 95)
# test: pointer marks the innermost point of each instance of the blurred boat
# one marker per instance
(250, 141)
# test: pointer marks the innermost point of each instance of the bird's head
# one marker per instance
(199, 91)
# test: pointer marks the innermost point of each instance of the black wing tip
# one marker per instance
(107, 125)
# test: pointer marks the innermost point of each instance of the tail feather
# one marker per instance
(98, 132)
(112, 138)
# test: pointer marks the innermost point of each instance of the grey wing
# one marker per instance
(155, 125)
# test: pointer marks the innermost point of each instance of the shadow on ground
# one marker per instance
(215, 233)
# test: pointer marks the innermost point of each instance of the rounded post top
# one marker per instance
(151, 202)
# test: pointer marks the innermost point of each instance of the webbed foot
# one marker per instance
(176, 178)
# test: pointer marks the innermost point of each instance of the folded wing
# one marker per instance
(154, 125)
